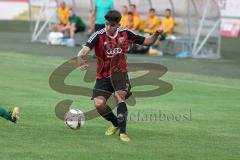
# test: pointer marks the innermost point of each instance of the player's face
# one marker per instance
(111, 28)
(63, 4)
(124, 10)
(151, 13)
(132, 8)
(167, 13)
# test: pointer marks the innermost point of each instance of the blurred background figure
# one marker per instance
(152, 23)
(168, 22)
(63, 13)
(168, 27)
(135, 22)
(133, 9)
(60, 29)
(75, 24)
(97, 20)
(124, 19)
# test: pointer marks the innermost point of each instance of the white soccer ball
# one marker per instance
(74, 119)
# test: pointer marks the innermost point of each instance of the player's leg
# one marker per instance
(122, 113)
(72, 29)
(122, 87)
(105, 111)
(12, 116)
(4, 113)
(102, 91)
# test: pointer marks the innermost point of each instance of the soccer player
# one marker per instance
(63, 13)
(168, 22)
(153, 22)
(12, 115)
(75, 24)
(133, 9)
(111, 47)
(124, 19)
(134, 22)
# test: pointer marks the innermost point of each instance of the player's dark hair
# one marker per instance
(133, 5)
(169, 10)
(152, 10)
(113, 16)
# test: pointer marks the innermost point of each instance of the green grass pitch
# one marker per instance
(206, 92)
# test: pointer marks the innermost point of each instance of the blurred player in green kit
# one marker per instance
(12, 115)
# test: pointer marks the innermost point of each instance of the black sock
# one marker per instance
(108, 115)
(122, 112)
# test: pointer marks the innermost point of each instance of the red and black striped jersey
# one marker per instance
(111, 51)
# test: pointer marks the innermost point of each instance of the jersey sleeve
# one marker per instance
(93, 40)
(135, 38)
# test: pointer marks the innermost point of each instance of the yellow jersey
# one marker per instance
(154, 22)
(168, 25)
(136, 22)
(124, 21)
(63, 14)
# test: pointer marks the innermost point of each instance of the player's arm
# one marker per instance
(147, 41)
(152, 38)
(90, 44)
(81, 57)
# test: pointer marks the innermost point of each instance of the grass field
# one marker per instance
(205, 91)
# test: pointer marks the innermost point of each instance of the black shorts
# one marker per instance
(80, 29)
(106, 86)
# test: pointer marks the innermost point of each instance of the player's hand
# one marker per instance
(83, 67)
(82, 62)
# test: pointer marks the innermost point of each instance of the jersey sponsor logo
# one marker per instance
(112, 52)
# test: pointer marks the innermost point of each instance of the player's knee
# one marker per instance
(99, 102)
(120, 96)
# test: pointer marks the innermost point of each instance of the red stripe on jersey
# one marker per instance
(106, 66)
(99, 54)
(124, 46)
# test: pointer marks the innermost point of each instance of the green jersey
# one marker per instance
(77, 20)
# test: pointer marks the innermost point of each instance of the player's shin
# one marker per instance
(107, 114)
(122, 113)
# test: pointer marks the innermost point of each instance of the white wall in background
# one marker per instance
(11, 9)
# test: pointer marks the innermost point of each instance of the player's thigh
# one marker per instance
(121, 85)
(102, 88)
